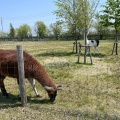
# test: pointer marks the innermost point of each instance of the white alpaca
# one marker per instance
(93, 43)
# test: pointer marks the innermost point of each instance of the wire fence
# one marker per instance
(89, 92)
(60, 37)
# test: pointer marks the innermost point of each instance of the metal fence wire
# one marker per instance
(89, 91)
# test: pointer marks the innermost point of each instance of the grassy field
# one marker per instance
(88, 92)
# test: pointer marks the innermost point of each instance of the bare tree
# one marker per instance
(56, 29)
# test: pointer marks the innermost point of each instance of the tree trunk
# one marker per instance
(115, 45)
(116, 42)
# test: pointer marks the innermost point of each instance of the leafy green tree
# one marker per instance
(77, 13)
(56, 29)
(24, 31)
(12, 31)
(3, 34)
(111, 17)
(40, 29)
(100, 29)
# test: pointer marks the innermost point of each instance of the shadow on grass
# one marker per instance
(39, 101)
(62, 54)
(98, 55)
(53, 54)
(82, 63)
(13, 101)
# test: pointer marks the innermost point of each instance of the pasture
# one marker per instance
(88, 91)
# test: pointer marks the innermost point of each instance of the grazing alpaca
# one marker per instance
(93, 43)
(33, 70)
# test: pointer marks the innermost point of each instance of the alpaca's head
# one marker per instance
(52, 96)
(52, 93)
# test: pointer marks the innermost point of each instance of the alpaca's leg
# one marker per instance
(2, 86)
(87, 51)
(32, 82)
(96, 49)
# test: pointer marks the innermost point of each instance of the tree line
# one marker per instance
(40, 30)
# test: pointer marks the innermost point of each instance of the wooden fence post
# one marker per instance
(115, 45)
(21, 76)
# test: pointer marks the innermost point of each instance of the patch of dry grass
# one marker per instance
(88, 91)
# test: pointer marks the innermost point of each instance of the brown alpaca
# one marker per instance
(33, 70)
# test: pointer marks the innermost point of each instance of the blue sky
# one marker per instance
(20, 12)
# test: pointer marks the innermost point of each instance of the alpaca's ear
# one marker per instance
(48, 88)
(59, 87)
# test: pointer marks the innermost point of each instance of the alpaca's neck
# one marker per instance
(35, 70)
(43, 78)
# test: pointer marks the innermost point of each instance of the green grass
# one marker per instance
(88, 91)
